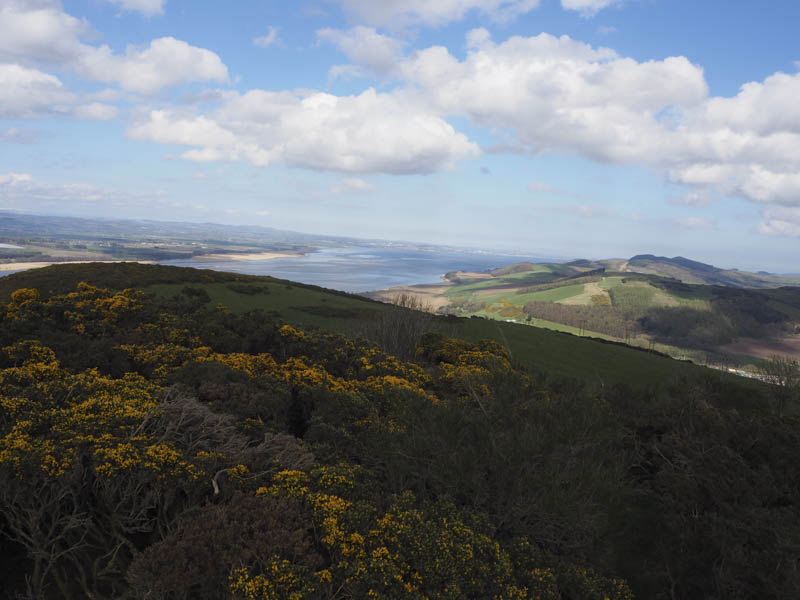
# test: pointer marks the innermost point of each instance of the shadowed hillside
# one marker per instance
(183, 444)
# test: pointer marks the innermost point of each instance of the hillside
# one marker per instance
(690, 271)
(725, 324)
(310, 306)
(180, 439)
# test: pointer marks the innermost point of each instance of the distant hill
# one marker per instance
(691, 271)
(678, 306)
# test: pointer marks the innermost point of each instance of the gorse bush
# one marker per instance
(163, 449)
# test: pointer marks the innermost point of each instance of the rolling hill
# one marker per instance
(539, 348)
(678, 306)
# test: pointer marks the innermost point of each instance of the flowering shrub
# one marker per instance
(106, 470)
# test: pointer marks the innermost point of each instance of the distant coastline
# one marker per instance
(246, 256)
(24, 266)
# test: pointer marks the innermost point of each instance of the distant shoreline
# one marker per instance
(246, 256)
(24, 266)
(239, 257)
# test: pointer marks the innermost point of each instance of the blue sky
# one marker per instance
(592, 128)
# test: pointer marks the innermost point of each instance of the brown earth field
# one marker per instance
(505, 288)
(430, 295)
(787, 347)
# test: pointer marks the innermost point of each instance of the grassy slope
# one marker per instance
(565, 355)
(294, 303)
(632, 292)
(560, 354)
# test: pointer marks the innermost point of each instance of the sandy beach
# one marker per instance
(248, 256)
(24, 266)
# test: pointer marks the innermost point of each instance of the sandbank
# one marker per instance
(24, 266)
(247, 256)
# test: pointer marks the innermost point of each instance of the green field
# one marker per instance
(293, 303)
(677, 318)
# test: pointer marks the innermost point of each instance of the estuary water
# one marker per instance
(364, 268)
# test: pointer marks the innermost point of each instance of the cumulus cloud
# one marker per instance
(559, 94)
(26, 93)
(39, 32)
(588, 8)
(165, 62)
(29, 93)
(368, 133)
(549, 94)
(401, 13)
(148, 8)
(270, 39)
(369, 50)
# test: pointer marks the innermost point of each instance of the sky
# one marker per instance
(565, 128)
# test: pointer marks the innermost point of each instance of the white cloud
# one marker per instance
(606, 30)
(26, 93)
(588, 8)
(165, 62)
(402, 13)
(148, 8)
(376, 53)
(39, 32)
(368, 133)
(270, 39)
(556, 95)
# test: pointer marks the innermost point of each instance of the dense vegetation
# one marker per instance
(157, 446)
